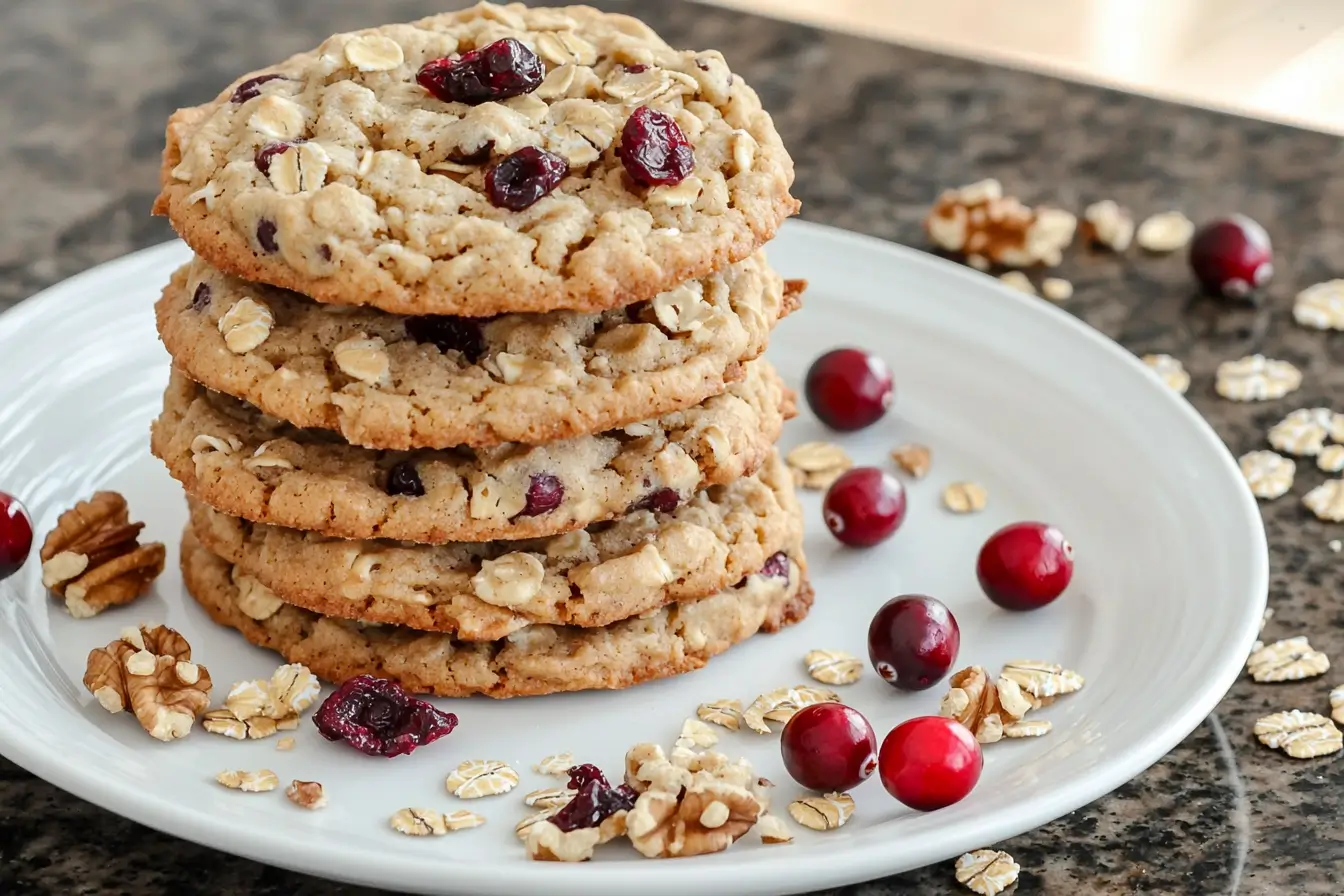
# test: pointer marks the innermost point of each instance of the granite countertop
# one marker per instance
(876, 131)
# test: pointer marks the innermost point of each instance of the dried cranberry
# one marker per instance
(252, 87)
(266, 236)
(777, 567)
(200, 299)
(544, 494)
(654, 151)
(448, 334)
(595, 801)
(524, 177)
(267, 154)
(475, 157)
(637, 68)
(377, 717)
(500, 70)
(404, 479)
(325, 251)
(662, 500)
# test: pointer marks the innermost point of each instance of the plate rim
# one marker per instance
(844, 863)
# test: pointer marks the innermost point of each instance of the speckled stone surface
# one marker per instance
(876, 131)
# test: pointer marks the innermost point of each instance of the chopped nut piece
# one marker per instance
(725, 713)
(1165, 232)
(1321, 306)
(522, 827)
(1305, 431)
(965, 497)
(818, 464)
(306, 794)
(773, 829)
(985, 708)
(1268, 474)
(249, 782)
(285, 744)
(987, 871)
(833, 666)
(676, 815)
(547, 843)
(1056, 289)
(1291, 659)
(913, 459)
(93, 558)
(1018, 281)
(477, 778)
(549, 797)
(150, 680)
(1107, 224)
(246, 325)
(1042, 680)
(1256, 378)
(1327, 500)
(1331, 458)
(419, 822)
(1170, 371)
(462, 820)
(823, 813)
(978, 220)
(1027, 728)
(1302, 735)
(557, 765)
(695, 733)
(781, 705)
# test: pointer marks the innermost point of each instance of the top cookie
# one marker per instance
(496, 159)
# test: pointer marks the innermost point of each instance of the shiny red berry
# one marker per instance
(16, 535)
(913, 642)
(1232, 257)
(849, 389)
(654, 150)
(1025, 566)
(864, 506)
(930, 762)
(829, 747)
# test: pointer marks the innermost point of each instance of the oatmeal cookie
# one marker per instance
(390, 381)
(539, 659)
(482, 592)
(246, 464)
(384, 168)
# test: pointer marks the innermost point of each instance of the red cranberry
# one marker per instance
(930, 762)
(524, 177)
(497, 71)
(404, 479)
(266, 236)
(1025, 566)
(544, 494)
(266, 154)
(251, 88)
(1232, 256)
(16, 535)
(448, 334)
(777, 567)
(377, 717)
(200, 299)
(654, 151)
(913, 641)
(595, 801)
(829, 746)
(660, 500)
(864, 506)
(849, 389)
(636, 68)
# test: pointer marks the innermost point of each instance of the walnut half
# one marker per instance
(149, 671)
(698, 805)
(93, 558)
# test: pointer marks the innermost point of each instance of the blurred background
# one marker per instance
(1281, 60)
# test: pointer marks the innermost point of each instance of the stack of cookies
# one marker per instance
(467, 386)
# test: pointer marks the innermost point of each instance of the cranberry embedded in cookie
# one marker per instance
(498, 71)
(521, 179)
(654, 151)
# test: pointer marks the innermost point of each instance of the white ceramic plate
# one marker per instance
(1057, 422)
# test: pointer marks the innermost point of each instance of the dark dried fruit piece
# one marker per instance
(378, 718)
(404, 479)
(266, 236)
(448, 334)
(777, 567)
(544, 494)
(267, 154)
(251, 88)
(596, 800)
(524, 177)
(200, 299)
(662, 500)
(497, 71)
(654, 151)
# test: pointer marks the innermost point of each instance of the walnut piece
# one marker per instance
(94, 559)
(1302, 735)
(547, 843)
(149, 671)
(1268, 474)
(306, 794)
(261, 781)
(695, 733)
(1107, 224)
(985, 226)
(707, 815)
(984, 707)
(772, 829)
